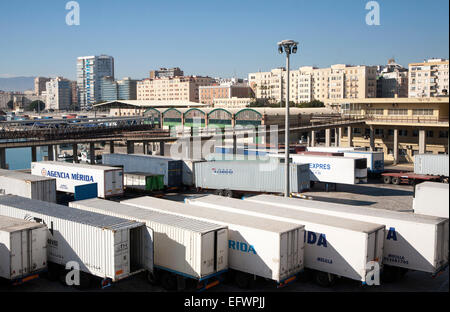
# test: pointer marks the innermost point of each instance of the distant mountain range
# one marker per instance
(19, 84)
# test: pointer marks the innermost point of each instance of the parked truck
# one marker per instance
(256, 247)
(105, 247)
(334, 247)
(412, 242)
(186, 251)
(23, 249)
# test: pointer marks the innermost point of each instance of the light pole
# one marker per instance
(289, 46)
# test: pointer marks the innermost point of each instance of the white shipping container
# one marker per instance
(375, 160)
(23, 248)
(68, 175)
(188, 171)
(27, 185)
(181, 245)
(413, 242)
(334, 245)
(104, 246)
(332, 169)
(266, 248)
(431, 198)
(431, 164)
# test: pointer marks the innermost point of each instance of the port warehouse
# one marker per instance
(23, 249)
(412, 241)
(272, 250)
(331, 255)
(107, 247)
(393, 122)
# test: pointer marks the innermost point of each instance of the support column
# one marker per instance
(2, 158)
(336, 137)
(339, 142)
(395, 146)
(111, 147)
(234, 145)
(327, 137)
(50, 152)
(422, 142)
(130, 147)
(33, 154)
(92, 153)
(372, 139)
(308, 139)
(350, 135)
(313, 138)
(75, 153)
(55, 152)
(161, 148)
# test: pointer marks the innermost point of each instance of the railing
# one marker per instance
(408, 119)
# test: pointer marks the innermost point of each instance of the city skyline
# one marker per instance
(226, 42)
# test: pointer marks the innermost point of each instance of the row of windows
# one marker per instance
(442, 134)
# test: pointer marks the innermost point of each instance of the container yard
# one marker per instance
(412, 242)
(183, 247)
(431, 198)
(334, 247)
(23, 249)
(27, 185)
(69, 175)
(256, 247)
(105, 247)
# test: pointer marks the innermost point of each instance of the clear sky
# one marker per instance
(216, 38)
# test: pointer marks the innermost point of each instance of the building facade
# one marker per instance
(40, 85)
(59, 94)
(428, 79)
(172, 89)
(112, 90)
(233, 102)
(90, 70)
(224, 91)
(310, 83)
(392, 80)
(166, 73)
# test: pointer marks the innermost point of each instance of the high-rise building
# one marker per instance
(310, 83)
(429, 78)
(166, 73)
(59, 94)
(40, 85)
(90, 70)
(112, 90)
(392, 81)
(172, 89)
(74, 105)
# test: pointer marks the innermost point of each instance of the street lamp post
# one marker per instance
(288, 46)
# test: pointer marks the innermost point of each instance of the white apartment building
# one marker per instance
(172, 88)
(428, 79)
(58, 94)
(90, 70)
(310, 83)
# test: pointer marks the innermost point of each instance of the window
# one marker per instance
(430, 133)
(398, 111)
(374, 111)
(443, 134)
(415, 133)
(402, 152)
(403, 132)
(423, 112)
(391, 132)
(379, 131)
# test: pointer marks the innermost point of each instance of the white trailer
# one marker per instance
(107, 247)
(431, 198)
(332, 169)
(186, 247)
(68, 175)
(258, 247)
(333, 246)
(27, 185)
(375, 160)
(413, 242)
(23, 249)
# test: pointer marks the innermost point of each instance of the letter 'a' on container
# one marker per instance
(414, 242)
(68, 175)
(23, 248)
(27, 185)
(182, 245)
(265, 248)
(107, 247)
(334, 245)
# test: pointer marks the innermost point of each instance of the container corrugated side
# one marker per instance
(431, 164)
(181, 245)
(100, 244)
(266, 248)
(334, 245)
(411, 241)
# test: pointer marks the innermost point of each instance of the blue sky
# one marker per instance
(216, 38)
